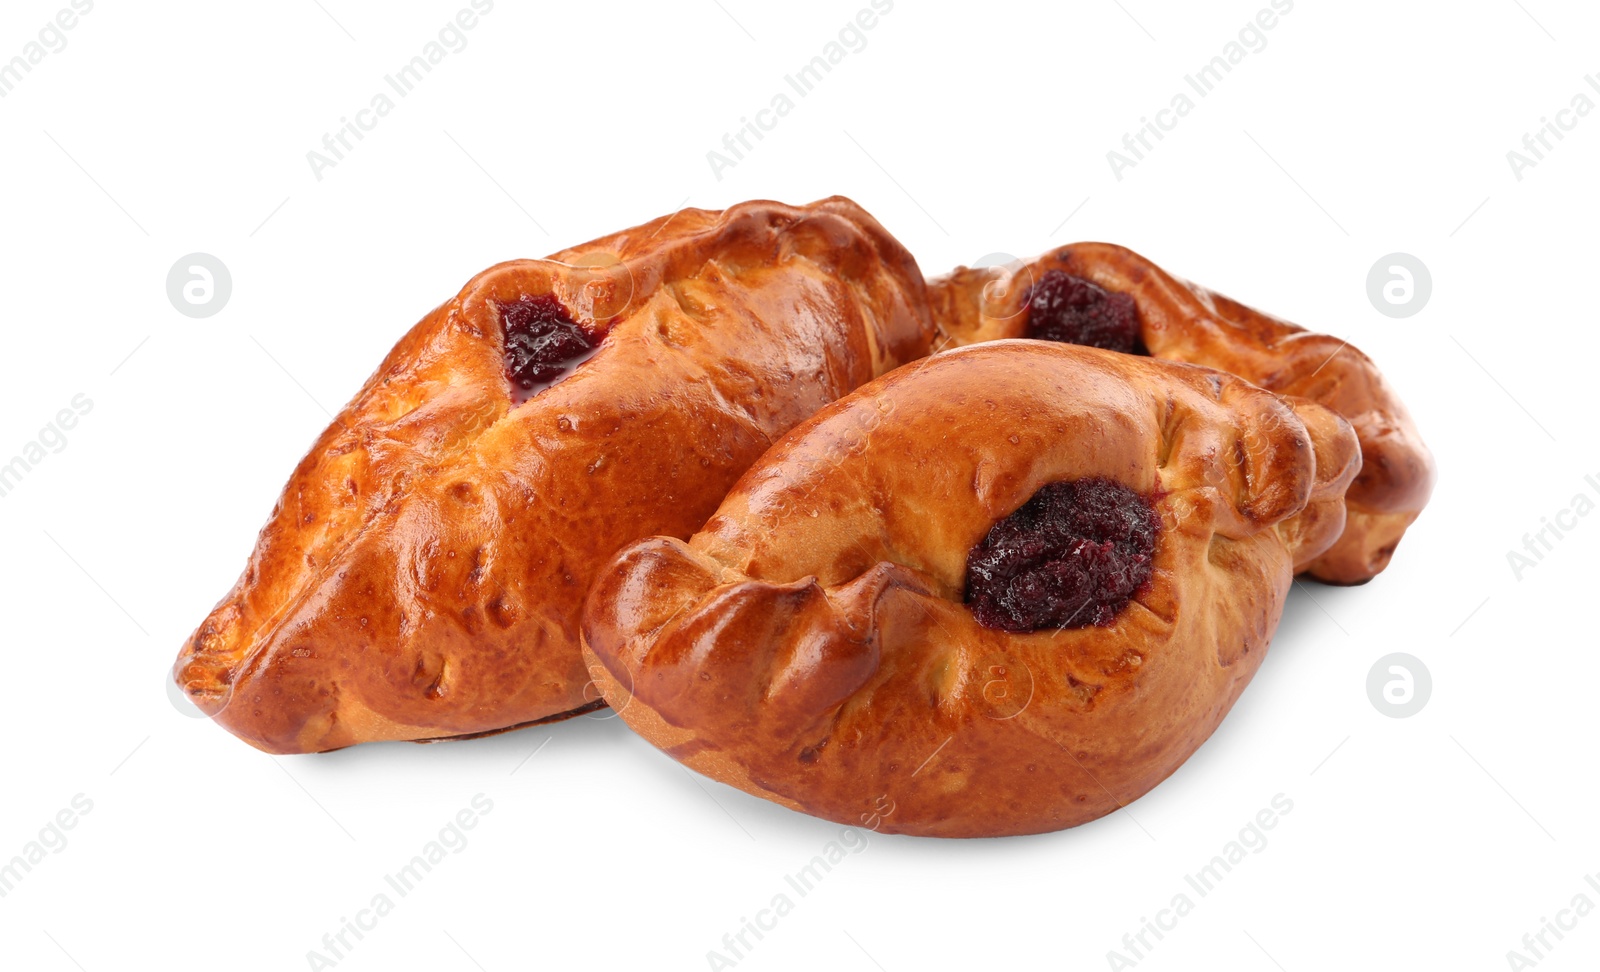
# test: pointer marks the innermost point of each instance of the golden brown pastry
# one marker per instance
(1004, 590)
(1105, 296)
(423, 572)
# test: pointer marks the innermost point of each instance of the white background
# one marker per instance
(1362, 128)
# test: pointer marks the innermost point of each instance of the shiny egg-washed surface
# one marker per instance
(811, 644)
(1179, 321)
(423, 571)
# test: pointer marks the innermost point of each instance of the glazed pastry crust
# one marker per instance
(423, 572)
(811, 645)
(1184, 322)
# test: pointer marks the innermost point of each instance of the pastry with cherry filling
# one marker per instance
(1004, 590)
(423, 572)
(1105, 296)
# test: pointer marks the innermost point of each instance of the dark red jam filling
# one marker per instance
(1073, 556)
(542, 344)
(1073, 310)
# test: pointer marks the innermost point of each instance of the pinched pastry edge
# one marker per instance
(1181, 321)
(811, 646)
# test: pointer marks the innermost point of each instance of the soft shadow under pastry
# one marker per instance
(1004, 590)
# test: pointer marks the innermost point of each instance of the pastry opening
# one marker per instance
(543, 344)
(1073, 556)
(1073, 310)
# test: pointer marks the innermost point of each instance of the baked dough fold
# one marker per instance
(423, 571)
(811, 644)
(1180, 321)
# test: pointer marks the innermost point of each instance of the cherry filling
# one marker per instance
(1073, 310)
(1072, 556)
(542, 344)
